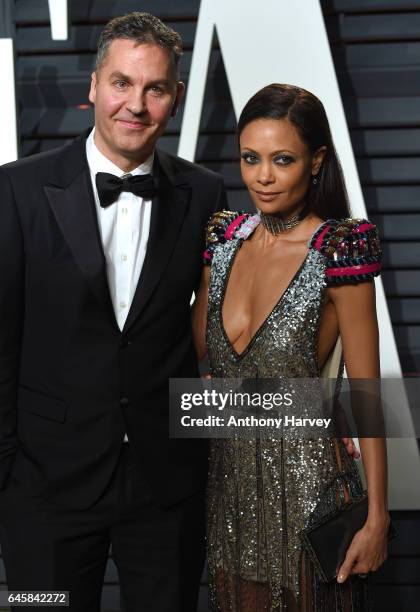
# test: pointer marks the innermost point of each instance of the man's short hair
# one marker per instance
(142, 28)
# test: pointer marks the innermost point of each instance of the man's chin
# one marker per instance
(133, 145)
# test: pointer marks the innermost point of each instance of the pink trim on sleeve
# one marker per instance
(354, 270)
(363, 227)
(232, 226)
(318, 241)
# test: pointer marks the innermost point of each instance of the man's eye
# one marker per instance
(156, 89)
(120, 84)
(249, 158)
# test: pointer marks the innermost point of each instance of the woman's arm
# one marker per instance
(356, 312)
(199, 315)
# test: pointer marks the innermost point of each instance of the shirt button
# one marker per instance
(124, 401)
(124, 257)
(123, 305)
(124, 210)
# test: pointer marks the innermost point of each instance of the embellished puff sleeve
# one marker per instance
(351, 248)
(222, 226)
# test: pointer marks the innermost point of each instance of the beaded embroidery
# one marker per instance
(351, 248)
(222, 226)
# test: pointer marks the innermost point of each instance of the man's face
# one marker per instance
(135, 92)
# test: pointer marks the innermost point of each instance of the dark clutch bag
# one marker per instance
(328, 540)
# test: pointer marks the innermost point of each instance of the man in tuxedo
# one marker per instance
(97, 274)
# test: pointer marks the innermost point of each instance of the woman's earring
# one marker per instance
(315, 180)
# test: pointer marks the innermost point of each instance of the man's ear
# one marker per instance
(92, 91)
(180, 90)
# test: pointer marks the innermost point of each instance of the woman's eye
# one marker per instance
(283, 160)
(249, 158)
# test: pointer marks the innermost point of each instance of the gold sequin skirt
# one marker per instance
(261, 494)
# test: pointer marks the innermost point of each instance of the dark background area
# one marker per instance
(376, 51)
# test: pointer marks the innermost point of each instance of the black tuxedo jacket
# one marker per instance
(71, 383)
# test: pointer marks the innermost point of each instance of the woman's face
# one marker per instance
(277, 165)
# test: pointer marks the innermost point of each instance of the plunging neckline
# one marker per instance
(276, 305)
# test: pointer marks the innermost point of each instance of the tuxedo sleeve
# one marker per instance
(11, 321)
(221, 201)
(217, 203)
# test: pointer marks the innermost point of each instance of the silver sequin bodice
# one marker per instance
(285, 344)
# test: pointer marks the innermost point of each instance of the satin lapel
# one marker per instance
(73, 208)
(169, 207)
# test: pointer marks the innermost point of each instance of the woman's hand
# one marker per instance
(351, 448)
(367, 551)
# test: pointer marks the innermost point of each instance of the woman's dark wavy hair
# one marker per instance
(328, 198)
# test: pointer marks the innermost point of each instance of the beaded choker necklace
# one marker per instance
(275, 225)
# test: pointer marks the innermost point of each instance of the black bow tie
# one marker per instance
(109, 186)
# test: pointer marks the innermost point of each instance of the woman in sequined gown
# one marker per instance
(272, 301)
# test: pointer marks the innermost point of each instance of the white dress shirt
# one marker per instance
(124, 228)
